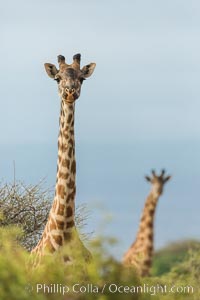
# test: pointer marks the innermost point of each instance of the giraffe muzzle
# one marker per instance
(70, 95)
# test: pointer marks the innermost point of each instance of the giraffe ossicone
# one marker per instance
(140, 254)
(60, 227)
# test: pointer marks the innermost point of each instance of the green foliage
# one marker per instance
(166, 258)
(19, 281)
(12, 265)
(188, 272)
(97, 280)
(103, 278)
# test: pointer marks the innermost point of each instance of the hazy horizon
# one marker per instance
(115, 196)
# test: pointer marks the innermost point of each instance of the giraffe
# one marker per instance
(141, 251)
(60, 227)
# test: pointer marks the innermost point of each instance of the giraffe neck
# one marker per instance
(61, 224)
(144, 244)
(65, 190)
(141, 251)
(146, 226)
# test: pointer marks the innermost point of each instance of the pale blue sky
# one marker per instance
(139, 110)
(146, 81)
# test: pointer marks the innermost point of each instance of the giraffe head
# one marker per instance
(157, 182)
(69, 77)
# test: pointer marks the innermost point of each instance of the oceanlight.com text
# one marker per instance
(113, 288)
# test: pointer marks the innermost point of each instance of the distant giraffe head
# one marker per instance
(157, 182)
(69, 77)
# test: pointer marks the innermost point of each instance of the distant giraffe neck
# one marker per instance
(144, 243)
(145, 232)
(60, 224)
(141, 251)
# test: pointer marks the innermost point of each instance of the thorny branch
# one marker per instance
(28, 206)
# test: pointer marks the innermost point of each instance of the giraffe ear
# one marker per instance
(167, 178)
(88, 70)
(51, 70)
(148, 178)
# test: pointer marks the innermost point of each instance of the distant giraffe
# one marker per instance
(141, 251)
(60, 226)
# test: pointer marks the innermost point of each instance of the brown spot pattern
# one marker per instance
(66, 163)
(69, 211)
(67, 128)
(70, 224)
(63, 175)
(70, 152)
(71, 142)
(147, 261)
(150, 236)
(64, 147)
(73, 167)
(61, 190)
(58, 239)
(61, 209)
(66, 135)
(71, 197)
(70, 184)
(151, 212)
(60, 224)
(69, 118)
(149, 223)
(150, 248)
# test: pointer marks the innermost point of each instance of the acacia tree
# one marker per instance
(28, 206)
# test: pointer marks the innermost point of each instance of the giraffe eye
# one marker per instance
(81, 80)
(57, 79)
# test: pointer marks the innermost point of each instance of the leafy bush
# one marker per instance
(19, 281)
(188, 272)
(166, 258)
(96, 280)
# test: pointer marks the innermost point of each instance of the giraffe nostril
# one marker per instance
(70, 90)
